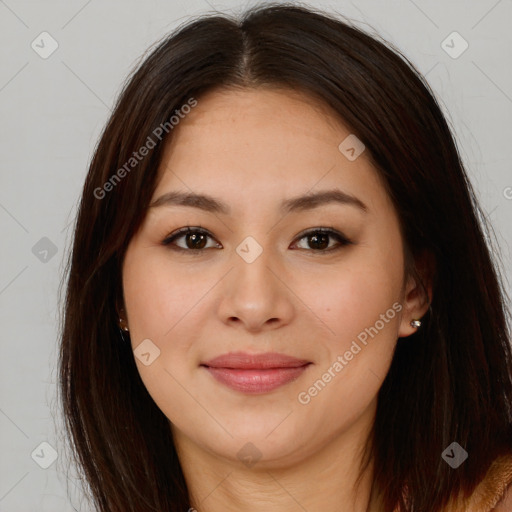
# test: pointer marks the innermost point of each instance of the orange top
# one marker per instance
(492, 494)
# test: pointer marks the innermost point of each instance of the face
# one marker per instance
(274, 319)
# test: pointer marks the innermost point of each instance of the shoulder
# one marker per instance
(505, 503)
(494, 492)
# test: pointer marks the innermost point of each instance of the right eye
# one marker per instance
(195, 239)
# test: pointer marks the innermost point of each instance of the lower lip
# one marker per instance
(256, 380)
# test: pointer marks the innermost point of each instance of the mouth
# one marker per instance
(257, 373)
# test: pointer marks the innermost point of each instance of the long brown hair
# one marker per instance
(450, 381)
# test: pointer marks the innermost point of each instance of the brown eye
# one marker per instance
(318, 240)
(193, 239)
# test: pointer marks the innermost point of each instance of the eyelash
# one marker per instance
(342, 240)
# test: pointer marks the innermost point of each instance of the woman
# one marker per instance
(280, 295)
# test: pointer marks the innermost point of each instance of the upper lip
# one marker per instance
(243, 360)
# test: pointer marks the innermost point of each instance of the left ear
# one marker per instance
(417, 298)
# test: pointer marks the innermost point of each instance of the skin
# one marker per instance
(252, 149)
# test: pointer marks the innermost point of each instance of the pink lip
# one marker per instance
(257, 373)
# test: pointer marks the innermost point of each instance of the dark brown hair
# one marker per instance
(450, 381)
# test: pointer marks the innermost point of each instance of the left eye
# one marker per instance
(196, 239)
(320, 238)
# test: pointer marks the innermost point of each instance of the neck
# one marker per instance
(326, 480)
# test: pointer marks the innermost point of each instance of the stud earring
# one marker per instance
(415, 323)
(122, 322)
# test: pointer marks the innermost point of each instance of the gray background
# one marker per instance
(52, 112)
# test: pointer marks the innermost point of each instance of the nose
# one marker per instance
(255, 296)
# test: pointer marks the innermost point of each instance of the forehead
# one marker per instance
(262, 113)
(261, 143)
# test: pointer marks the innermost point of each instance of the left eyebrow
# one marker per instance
(317, 199)
(300, 203)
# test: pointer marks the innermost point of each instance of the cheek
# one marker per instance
(353, 297)
(156, 296)
(363, 317)
(160, 305)
(165, 304)
(360, 303)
